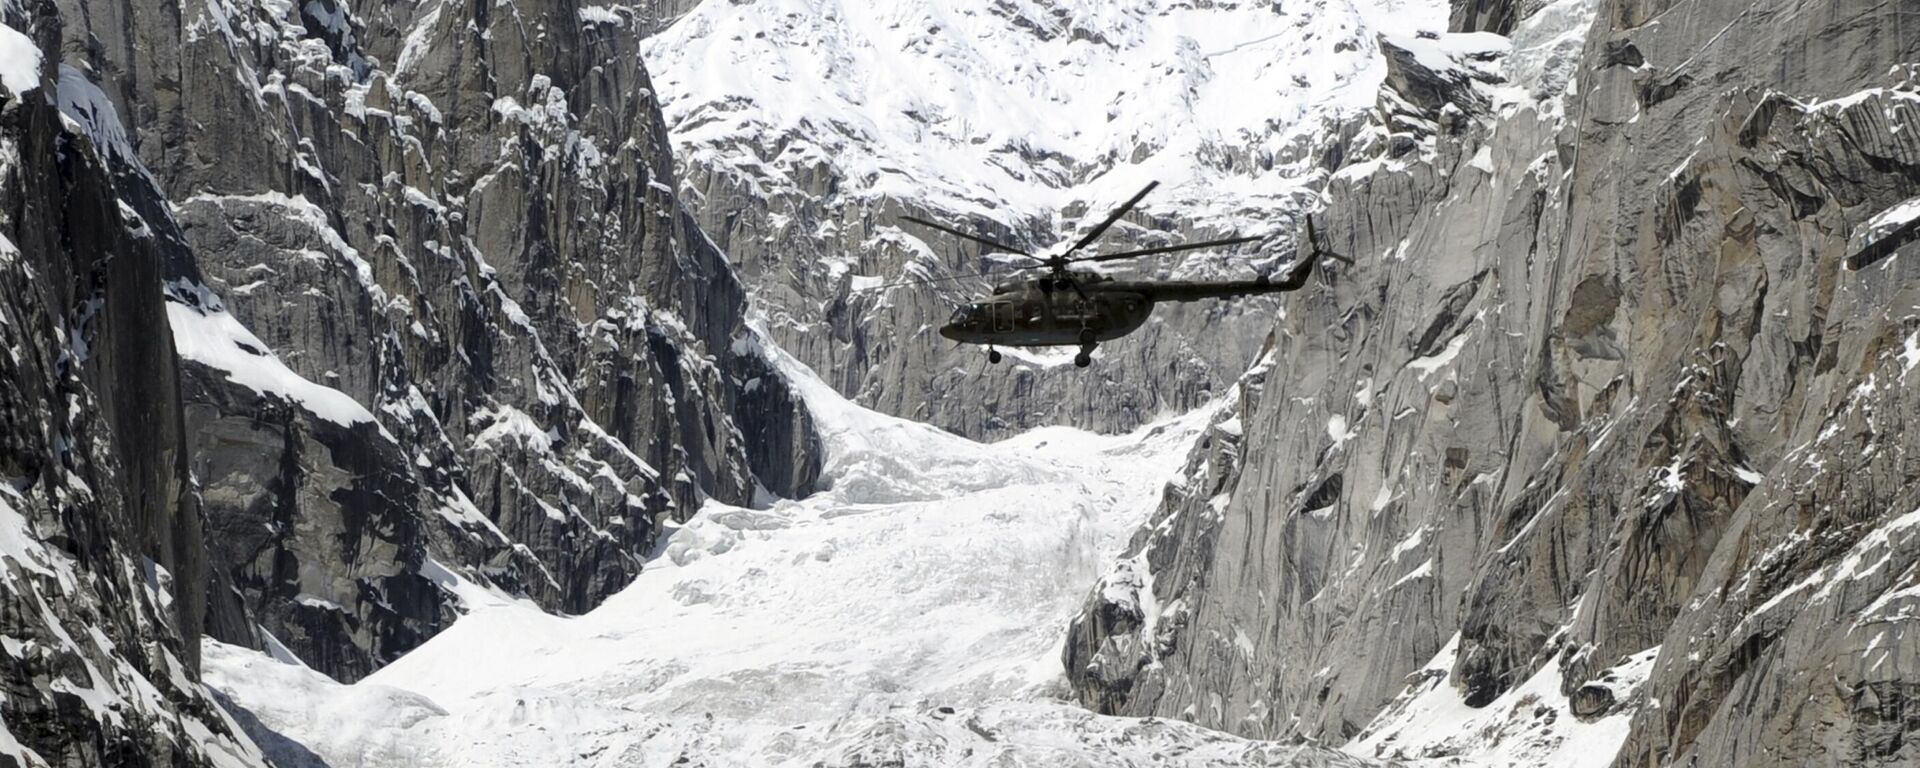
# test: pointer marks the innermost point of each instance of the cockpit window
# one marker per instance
(961, 314)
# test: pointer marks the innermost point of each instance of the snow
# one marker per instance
(934, 572)
(317, 602)
(1483, 159)
(1442, 53)
(1381, 498)
(19, 61)
(86, 104)
(1338, 431)
(1415, 539)
(1880, 542)
(507, 423)
(472, 595)
(418, 39)
(1014, 110)
(11, 747)
(1043, 357)
(19, 544)
(601, 14)
(1673, 479)
(1780, 598)
(289, 691)
(1433, 726)
(1425, 366)
(1423, 571)
(297, 208)
(1884, 223)
(1895, 216)
(217, 340)
(1546, 52)
(1857, 98)
(1625, 678)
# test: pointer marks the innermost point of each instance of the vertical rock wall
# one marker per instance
(460, 217)
(1598, 391)
(101, 565)
(329, 321)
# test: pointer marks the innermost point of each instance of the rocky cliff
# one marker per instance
(359, 314)
(469, 232)
(100, 520)
(1599, 447)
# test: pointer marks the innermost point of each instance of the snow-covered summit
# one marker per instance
(1009, 109)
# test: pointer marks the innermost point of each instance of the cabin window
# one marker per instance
(1002, 316)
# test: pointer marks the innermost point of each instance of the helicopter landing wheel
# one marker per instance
(1085, 358)
(1087, 338)
(993, 356)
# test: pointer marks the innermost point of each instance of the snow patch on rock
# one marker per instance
(215, 339)
(19, 67)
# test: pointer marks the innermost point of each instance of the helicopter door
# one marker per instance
(1002, 317)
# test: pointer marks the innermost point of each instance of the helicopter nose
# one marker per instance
(951, 331)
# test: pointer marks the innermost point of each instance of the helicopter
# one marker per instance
(1068, 307)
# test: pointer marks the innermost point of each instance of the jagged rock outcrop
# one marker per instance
(329, 322)
(1611, 436)
(100, 521)
(452, 330)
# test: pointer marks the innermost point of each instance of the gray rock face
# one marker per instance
(100, 523)
(329, 321)
(1599, 386)
(323, 555)
(464, 222)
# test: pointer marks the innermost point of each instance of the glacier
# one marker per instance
(912, 611)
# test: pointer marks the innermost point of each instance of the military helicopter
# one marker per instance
(1067, 307)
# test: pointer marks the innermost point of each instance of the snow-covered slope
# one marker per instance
(804, 128)
(1017, 108)
(914, 611)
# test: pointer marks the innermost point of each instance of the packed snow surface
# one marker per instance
(916, 609)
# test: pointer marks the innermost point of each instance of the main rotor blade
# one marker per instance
(1170, 249)
(1111, 218)
(958, 233)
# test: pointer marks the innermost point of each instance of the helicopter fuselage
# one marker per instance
(1074, 308)
(1083, 309)
(1031, 317)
